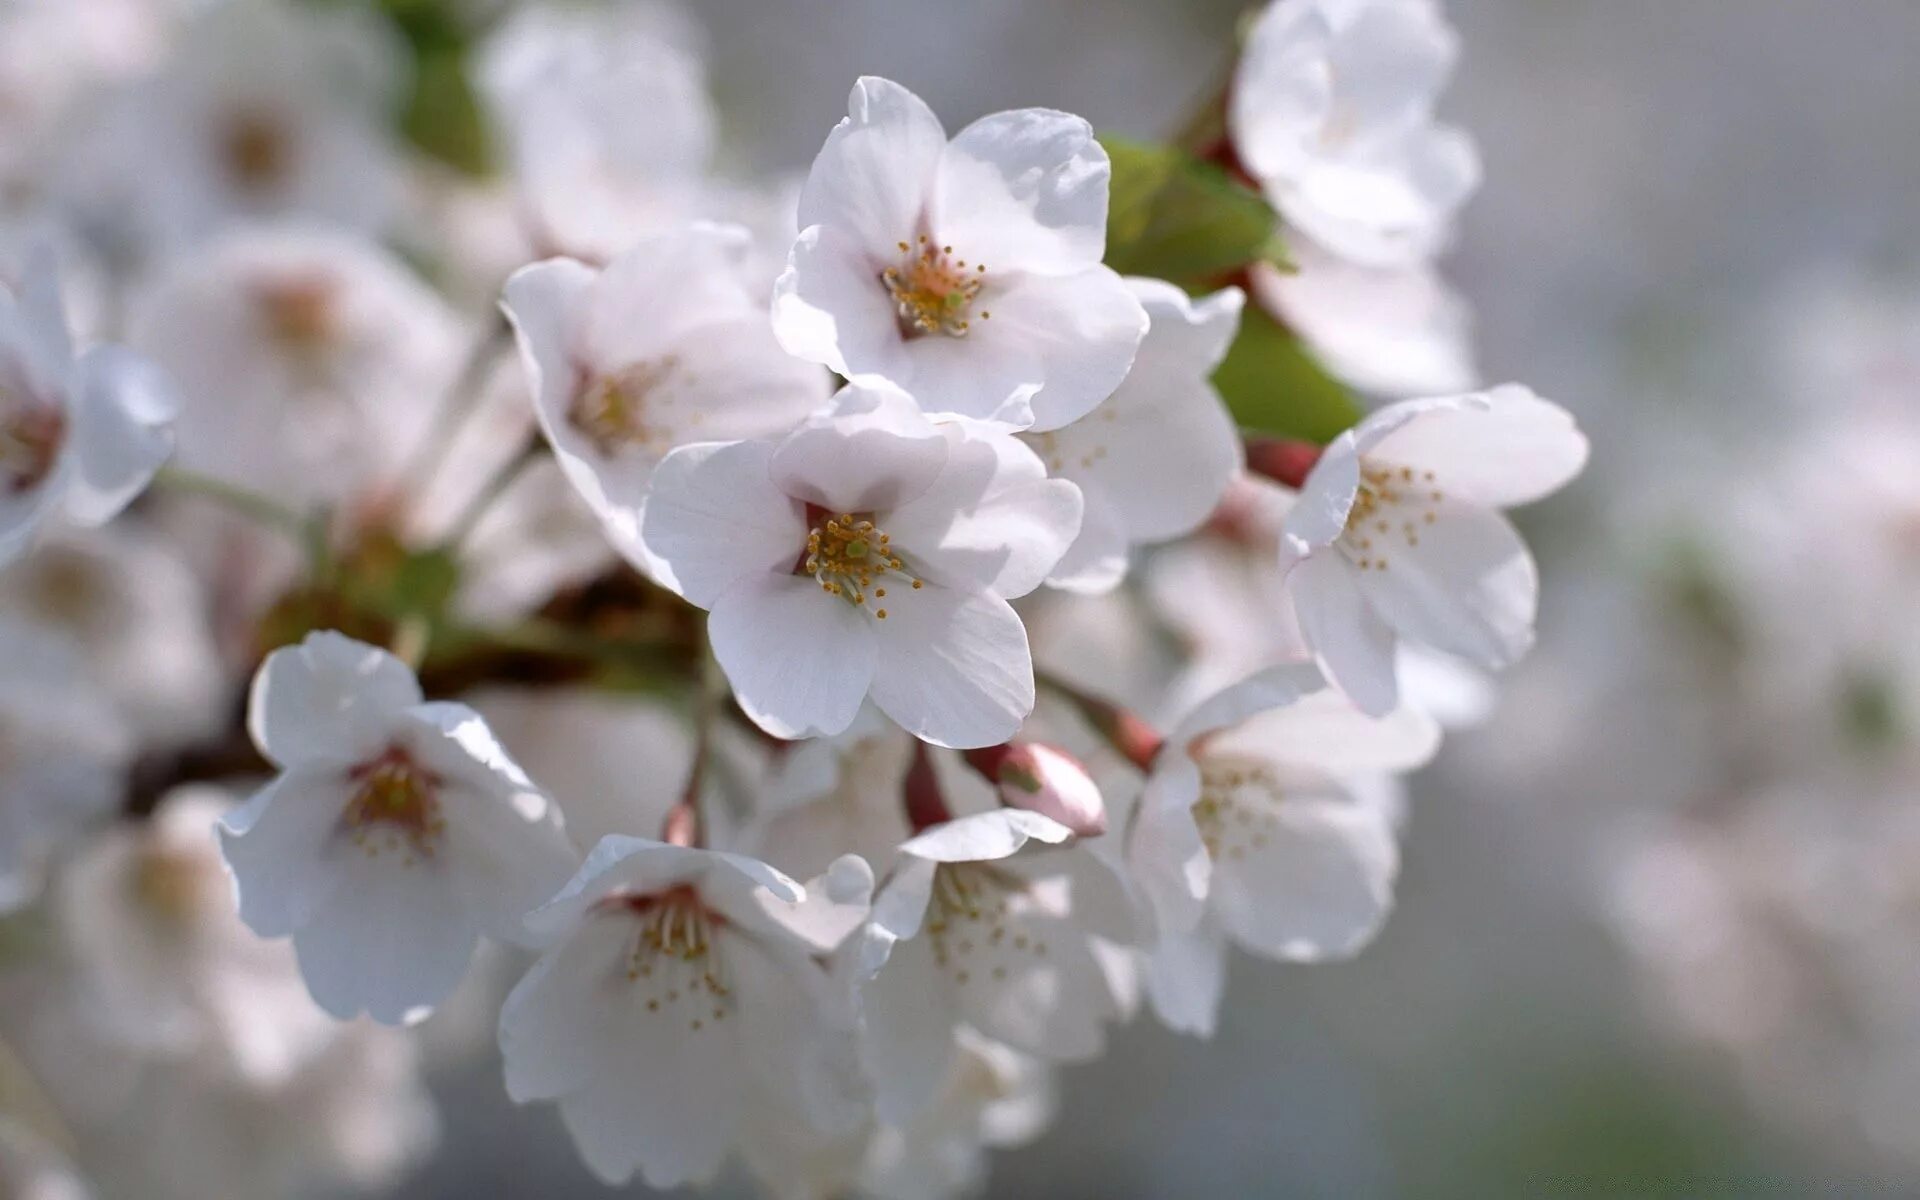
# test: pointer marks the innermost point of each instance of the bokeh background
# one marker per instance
(1682, 197)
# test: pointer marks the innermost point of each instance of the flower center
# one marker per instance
(974, 931)
(30, 439)
(301, 315)
(611, 410)
(933, 292)
(256, 151)
(853, 558)
(395, 806)
(170, 884)
(672, 960)
(1236, 811)
(1391, 506)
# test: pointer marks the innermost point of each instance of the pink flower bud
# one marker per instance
(1044, 779)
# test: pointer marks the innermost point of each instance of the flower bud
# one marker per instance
(1044, 779)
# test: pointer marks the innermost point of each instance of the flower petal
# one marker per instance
(275, 846)
(326, 699)
(954, 668)
(800, 661)
(1186, 976)
(1353, 645)
(1024, 190)
(715, 517)
(992, 520)
(871, 450)
(830, 307)
(391, 940)
(1467, 587)
(1499, 448)
(872, 177)
(123, 431)
(1324, 730)
(1077, 334)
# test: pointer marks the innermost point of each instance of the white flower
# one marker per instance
(32, 1167)
(80, 436)
(992, 931)
(309, 361)
(1332, 111)
(265, 110)
(1265, 821)
(663, 347)
(63, 752)
(680, 990)
(966, 273)
(1391, 332)
(869, 553)
(1398, 535)
(564, 88)
(1154, 459)
(397, 833)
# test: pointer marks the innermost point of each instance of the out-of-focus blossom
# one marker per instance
(1398, 534)
(1332, 111)
(965, 272)
(1154, 459)
(397, 833)
(662, 348)
(869, 553)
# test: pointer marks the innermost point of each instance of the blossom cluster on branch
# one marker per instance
(882, 630)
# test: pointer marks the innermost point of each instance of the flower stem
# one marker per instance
(457, 405)
(490, 492)
(1125, 730)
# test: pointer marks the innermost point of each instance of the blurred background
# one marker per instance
(1658, 928)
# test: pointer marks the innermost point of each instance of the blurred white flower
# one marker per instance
(1266, 822)
(51, 55)
(265, 110)
(965, 272)
(1332, 112)
(1154, 458)
(663, 347)
(80, 436)
(397, 833)
(308, 361)
(869, 553)
(32, 1167)
(682, 988)
(1398, 534)
(564, 86)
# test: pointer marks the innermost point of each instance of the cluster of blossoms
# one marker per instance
(807, 586)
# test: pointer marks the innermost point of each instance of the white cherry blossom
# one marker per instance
(867, 554)
(682, 989)
(1332, 111)
(80, 434)
(663, 347)
(1267, 822)
(397, 833)
(966, 272)
(1154, 459)
(1398, 535)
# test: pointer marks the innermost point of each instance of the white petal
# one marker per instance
(1499, 448)
(1024, 190)
(1319, 515)
(276, 844)
(1319, 885)
(326, 699)
(1282, 89)
(560, 1018)
(872, 178)
(1324, 730)
(910, 1019)
(992, 520)
(1039, 988)
(953, 667)
(392, 939)
(715, 518)
(123, 431)
(1186, 976)
(1098, 559)
(800, 661)
(1392, 207)
(1353, 645)
(1277, 687)
(1075, 336)
(830, 307)
(985, 837)
(1468, 587)
(1165, 852)
(663, 287)
(871, 450)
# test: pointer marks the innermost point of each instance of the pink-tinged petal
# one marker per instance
(738, 383)
(1024, 191)
(1499, 448)
(985, 837)
(871, 450)
(1186, 976)
(327, 699)
(830, 307)
(953, 668)
(1314, 882)
(872, 178)
(1079, 333)
(715, 517)
(1467, 586)
(1325, 731)
(992, 520)
(617, 863)
(1353, 645)
(663, 287)
(122, 431)
(800, 661)
(391, 940)
(276, 849)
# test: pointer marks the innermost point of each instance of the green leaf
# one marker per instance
(1273, 386)
(1172, 216)
(443, 117)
